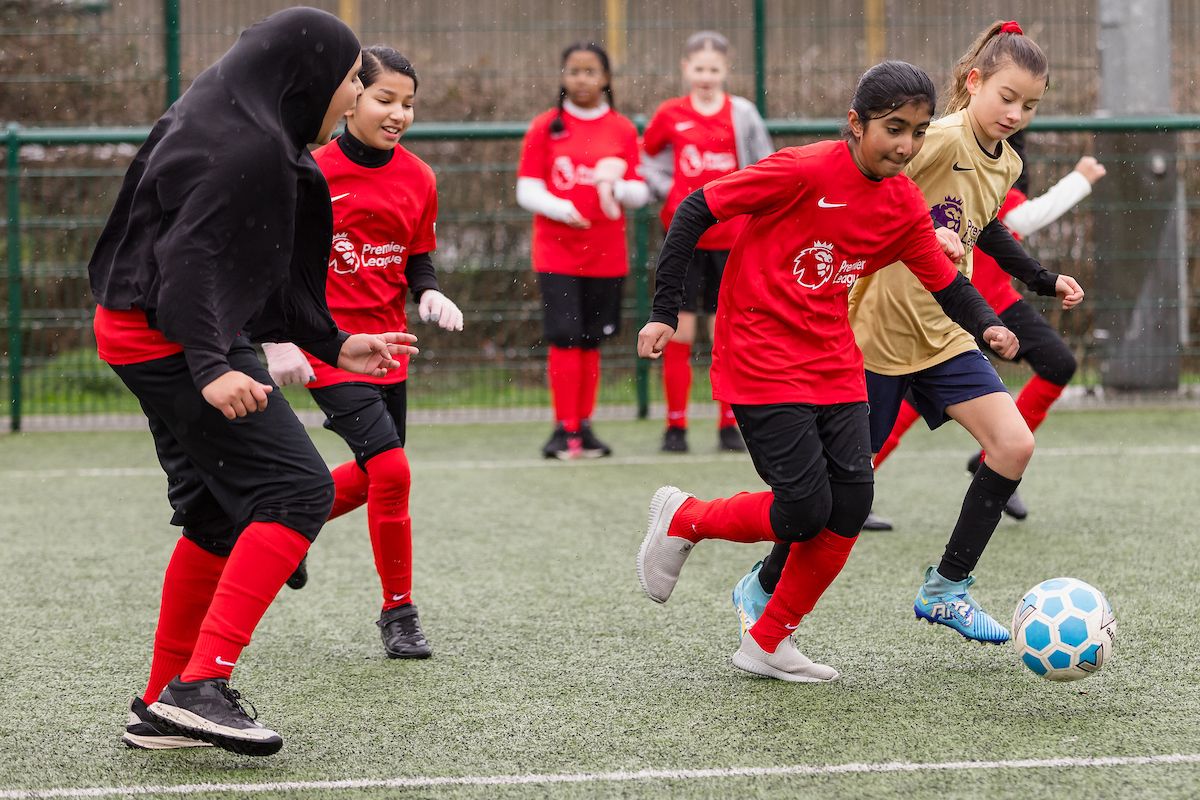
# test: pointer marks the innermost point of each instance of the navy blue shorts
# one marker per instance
(931, 391)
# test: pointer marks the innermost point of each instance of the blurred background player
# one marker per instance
(183, 280)
(1042, 347)
(384, 210)
(821, 217)
(578, 172)
(690, 141)
(964, 171)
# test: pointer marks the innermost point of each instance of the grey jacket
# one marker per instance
(751, 139)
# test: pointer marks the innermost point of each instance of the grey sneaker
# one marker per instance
(661, 556)
(786, 663)
(142, 734)
(211, 711)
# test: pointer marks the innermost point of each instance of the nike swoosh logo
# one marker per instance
(957, 168)
(823, 203)
(791, 627)
(225, 663)
(396, 597)
(339, 197)
(683, 126)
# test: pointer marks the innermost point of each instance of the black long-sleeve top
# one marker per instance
(223, 223)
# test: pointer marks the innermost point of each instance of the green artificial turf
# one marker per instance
(548, 659)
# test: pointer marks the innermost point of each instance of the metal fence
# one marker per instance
(112, 63)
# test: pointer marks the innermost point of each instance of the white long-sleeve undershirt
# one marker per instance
(1038, 212)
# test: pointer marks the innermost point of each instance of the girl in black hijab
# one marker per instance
(220, 236)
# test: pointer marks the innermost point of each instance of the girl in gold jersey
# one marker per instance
(910, 346)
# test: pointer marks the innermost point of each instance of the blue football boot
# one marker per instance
(950, 603)
(749, 600)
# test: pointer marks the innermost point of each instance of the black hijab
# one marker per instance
(223, 223)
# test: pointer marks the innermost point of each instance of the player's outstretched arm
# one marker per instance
(373, 353)
(691, 220)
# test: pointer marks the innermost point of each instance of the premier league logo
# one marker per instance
(814, 266)
(345, 260)
(949, 213)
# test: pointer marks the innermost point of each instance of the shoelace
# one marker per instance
(235, 698)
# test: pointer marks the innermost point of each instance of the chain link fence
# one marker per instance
(100, 63)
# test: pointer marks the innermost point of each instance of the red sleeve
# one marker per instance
(757, 189)
(922, 254)
(533, 152)
(657, 135)
(425, 236)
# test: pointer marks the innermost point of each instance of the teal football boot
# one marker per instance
(949, 603)
(749, 600)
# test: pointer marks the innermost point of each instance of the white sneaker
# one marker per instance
(786, 663)
(661, 556)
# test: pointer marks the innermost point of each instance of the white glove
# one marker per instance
(287, 364)
(436, 307)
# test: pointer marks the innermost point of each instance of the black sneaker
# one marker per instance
(876, 523)
(556, 446)
(299, 578)
(212, 712)
(592, 447)
(141, 733)
(400, 629)
(729, 439)
(1015, 507)
(675, 440)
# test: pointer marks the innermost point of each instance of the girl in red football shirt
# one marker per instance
(384, 209)
(690, 141)
(578, 170)
(820, 217)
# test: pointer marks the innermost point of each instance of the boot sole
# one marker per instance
(755, 667)
(182, 722)
(135, 742)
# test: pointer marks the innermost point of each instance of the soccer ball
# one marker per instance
(1063, 629)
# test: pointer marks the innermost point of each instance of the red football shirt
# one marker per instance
(566, 161)
(381, 217)
(992, 282)
(125, 337)
(704, 149)
(816, 224)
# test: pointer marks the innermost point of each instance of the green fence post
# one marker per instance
(171, 48)
(760, 56)
(641, 260)
(12, 175)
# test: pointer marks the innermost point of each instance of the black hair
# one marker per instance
(557, 126)
(1017, 143)
(890, 85)
(378, 58)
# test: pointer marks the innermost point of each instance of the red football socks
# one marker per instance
(565, 368)
(727, 419)
(262, 559)
(677, 381)
(188, 587)
(349, 488)
(745, 517)
(904, 420)
(1035, 400)
(811, 567)
(589, 381)
(390, 525)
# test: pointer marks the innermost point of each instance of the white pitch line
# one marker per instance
(622, 461)
(605, 777)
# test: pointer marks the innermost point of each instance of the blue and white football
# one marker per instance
(1064, 629)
